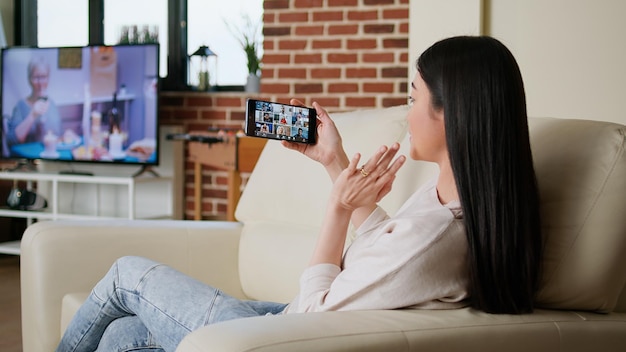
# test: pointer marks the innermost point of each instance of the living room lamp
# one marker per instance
(203, 65)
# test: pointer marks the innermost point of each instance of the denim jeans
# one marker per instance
(141, 305)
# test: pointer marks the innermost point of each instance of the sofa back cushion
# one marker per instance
(581, 171)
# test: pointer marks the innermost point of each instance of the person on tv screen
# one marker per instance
(35, 115)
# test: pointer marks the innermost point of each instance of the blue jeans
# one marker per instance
(141, 305)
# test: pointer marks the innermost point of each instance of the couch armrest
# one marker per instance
(63, 257)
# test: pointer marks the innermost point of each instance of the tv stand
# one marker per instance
(78, 197)
(146, 169)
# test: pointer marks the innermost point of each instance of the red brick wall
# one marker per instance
(345, 54)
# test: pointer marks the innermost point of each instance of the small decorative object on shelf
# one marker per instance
(23, 199)
(207, 64)
(251, 41)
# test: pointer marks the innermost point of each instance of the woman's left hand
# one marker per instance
(366, 185)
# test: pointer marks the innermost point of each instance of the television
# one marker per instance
(95, 104)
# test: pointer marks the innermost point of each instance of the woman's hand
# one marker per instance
(40, 107)
(328, 149)
(364, 186)
(355, 189)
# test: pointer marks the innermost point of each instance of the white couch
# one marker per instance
(581, 168)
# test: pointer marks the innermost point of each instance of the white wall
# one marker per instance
(432, 20)
(572, 53)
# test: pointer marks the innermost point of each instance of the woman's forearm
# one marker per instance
(339, 163)
(361, 214)
(332, 237)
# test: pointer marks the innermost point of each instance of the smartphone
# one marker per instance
(266, 119)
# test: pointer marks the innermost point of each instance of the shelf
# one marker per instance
(102, 199)
(47, 215)
(12, 247)
(31, 214)
(69, 178)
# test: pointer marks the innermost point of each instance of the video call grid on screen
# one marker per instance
(281, 121)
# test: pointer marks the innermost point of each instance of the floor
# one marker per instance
(10, 319)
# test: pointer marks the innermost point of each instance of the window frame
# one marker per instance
(177, 61)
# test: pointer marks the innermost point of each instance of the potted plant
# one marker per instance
(249, 37)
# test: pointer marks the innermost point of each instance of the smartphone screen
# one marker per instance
(285, 122)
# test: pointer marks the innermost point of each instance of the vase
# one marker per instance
(253, 83)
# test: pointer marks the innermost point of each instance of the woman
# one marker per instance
(471, 236)
(36, 115)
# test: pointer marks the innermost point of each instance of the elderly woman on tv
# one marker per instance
(35, 115)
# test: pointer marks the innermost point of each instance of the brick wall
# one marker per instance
(345, 54)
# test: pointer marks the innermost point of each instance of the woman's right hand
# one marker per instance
(40, 107)
(328, 149)
(365, 186)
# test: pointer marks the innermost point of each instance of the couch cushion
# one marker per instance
(581, 171)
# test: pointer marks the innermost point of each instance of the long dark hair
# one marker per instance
(478, 84)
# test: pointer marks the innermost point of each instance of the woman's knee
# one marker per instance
(130, 270)
(131, 262)
(125, 273)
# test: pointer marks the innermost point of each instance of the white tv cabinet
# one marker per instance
(112, 193)
(63, 203)
(91, 197)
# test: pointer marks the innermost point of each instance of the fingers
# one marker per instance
(378, 164)
(40, 107)
(322, 114)
(385, 190)
(296, 102)
(395, 166)
(354, 162)
(294, 146)
(389, 174)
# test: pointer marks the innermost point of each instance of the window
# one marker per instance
(62, 22)
(217, 27)
(181, 25)
(136, 21)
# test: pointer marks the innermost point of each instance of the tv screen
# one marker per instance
(81, 104)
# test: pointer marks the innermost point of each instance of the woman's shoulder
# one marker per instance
(21, 107)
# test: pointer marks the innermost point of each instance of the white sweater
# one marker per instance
(416, 259)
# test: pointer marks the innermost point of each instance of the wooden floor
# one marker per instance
(10, 319)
